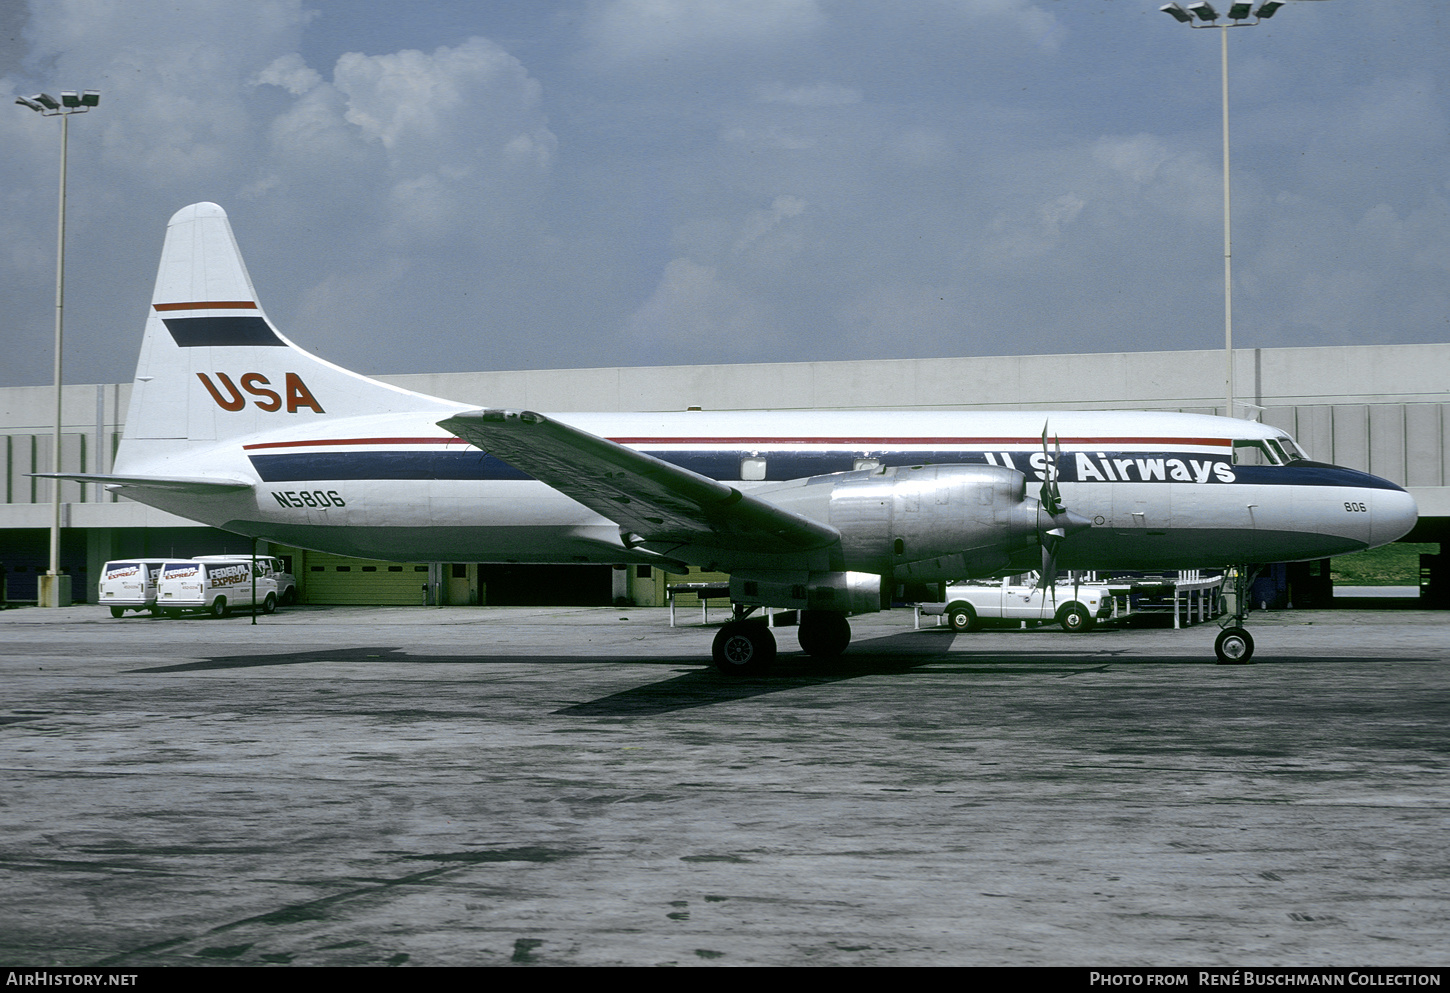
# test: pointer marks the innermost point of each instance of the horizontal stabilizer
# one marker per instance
(175, 484)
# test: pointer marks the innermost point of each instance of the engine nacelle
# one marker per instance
(928, 523)
(846, 592)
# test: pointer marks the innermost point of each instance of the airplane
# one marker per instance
(821, 512)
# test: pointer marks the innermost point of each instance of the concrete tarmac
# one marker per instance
(570, 786)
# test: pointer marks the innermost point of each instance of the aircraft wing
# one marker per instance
(649, 499)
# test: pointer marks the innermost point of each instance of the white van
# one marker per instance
(214, 585)
(129, 584)
(272, 567)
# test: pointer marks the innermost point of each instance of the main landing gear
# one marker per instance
(1234, 645)
(745, 645)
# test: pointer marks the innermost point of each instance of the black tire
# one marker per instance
(1075, 619)
(961, 617)
(823, 634)
(118, 611)
(743, 648)
(174, 613)
(269, 604)
(289, 596)
(1234, 646)
(219, 607)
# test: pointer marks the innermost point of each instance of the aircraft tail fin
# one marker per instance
(213, 367)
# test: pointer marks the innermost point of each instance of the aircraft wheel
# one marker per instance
(743, 648)
(269, 604)
(1075, 619)
(824, 634)
(118, 611)
(1234, 646)
(962, 618)
(219, 607)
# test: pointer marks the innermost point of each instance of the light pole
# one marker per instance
(1202, 15)
(54, 588)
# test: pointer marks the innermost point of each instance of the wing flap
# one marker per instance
(646, 497)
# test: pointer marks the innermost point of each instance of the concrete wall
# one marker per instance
(1191, 380)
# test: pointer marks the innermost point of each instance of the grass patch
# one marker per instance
(1395, 564)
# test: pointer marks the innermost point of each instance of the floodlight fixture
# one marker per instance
(70, 102)
(1202, 14)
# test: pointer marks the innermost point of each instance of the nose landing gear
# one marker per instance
(1234, 645)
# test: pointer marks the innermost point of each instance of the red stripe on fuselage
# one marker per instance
(320, 442)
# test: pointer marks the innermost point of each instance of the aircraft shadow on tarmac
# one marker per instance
(896, 654)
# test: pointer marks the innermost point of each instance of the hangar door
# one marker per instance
(339, 579)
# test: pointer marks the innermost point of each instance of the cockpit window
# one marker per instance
(1254, 451)
(1279, 450)
(1292, 452)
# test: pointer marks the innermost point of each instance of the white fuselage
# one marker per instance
(1161, 490)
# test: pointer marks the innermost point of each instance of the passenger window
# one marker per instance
(752, 468)
(866, 464)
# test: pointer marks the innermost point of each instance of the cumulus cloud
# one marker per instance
(693, 301)
(290, 73)
(760, 223)
(377, 164)
(691, 181)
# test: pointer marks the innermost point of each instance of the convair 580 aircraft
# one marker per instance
(233, 425)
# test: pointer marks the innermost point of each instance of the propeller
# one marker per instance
(1055, 521)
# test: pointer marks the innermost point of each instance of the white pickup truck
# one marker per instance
(972, 604)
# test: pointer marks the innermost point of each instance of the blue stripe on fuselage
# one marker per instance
(471, 464)
(1306, 473)
(1131, 467)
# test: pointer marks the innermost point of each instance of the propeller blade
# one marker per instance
(1048, 576)
(1060, 521)
(1050, 495)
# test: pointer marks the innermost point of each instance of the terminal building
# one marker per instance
(1382, 409)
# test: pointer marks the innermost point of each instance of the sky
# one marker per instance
(460, 186)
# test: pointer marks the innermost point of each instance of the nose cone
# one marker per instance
(1393, 516)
